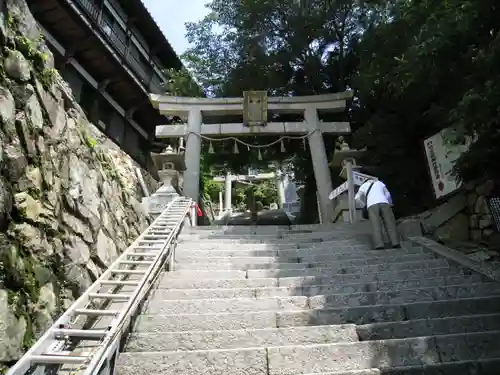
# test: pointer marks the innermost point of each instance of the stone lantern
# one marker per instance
(170, 165)
(346, 158)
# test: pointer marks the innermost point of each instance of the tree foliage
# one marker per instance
(433, 66)
(416, 67)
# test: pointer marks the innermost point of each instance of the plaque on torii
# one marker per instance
(254, 108)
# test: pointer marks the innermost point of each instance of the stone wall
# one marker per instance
(481, 224)
(69, 199)
(462, 217)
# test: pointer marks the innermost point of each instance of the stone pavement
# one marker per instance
(313, 300)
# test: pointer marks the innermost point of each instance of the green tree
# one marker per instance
(416, 67)
(181, 83)
(287, 48)
(432, 66)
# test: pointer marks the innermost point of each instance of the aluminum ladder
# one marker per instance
(85, 340)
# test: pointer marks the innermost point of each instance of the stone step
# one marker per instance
(276, 238)
(309, 290)
(337, 228)
(227, 339)
(403, 296)
(157, 305)
(373, 371)
(300, 318)
(246, 263)
(276, 235)
(302, 271)
(292, 360)
(390, 313)
(339, 269)
(473, 367)
(219, 245)
(224, 305)
(313, 254)
(230, 339)
(429, 327)
(271, 238)
(318, 358)
(209, 362)
(190, 280)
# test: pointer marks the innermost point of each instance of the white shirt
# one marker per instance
(378, 193)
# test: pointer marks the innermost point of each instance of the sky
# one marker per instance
(171, 15)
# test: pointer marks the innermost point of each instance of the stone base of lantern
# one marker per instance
(159, 200)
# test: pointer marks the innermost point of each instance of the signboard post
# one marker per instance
(361, 178)
(338, 190)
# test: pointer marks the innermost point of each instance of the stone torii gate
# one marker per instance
(229, 178)
(196, 109)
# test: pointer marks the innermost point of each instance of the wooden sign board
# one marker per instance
(255, 108)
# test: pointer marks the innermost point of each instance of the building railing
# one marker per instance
(151, 81)
(91, 8)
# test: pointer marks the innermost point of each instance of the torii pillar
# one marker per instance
(227, 191)
(191, 188)
(280, 187)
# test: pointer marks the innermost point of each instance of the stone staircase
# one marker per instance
(313, 300)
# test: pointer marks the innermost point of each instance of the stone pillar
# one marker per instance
(345, 157)
(191, 188)
(227, 191)
(320, 164)
(320, 216)
(350, 190)
(221, 203)
(280, 187)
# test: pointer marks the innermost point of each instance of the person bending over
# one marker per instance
(376, 197)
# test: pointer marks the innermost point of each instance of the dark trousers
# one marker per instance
(381, 216)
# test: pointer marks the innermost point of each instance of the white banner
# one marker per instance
(338, 190)
(441, 156)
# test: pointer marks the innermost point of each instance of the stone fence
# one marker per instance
(462, 217)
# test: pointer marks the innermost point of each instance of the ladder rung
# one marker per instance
(89, 333)
(122, 297)
(151, 241)
(119, 282)
(129, 272)
(149, 237)
(91, 312)
(135, 262)
(57, 359)
(141, 255)
(151, 247)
